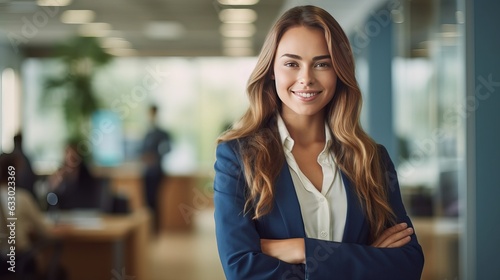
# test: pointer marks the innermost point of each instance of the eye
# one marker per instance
(323, 65)
(291, 64)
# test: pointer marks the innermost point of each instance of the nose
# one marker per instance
(306, 77)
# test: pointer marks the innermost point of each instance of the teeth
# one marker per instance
(306, 94)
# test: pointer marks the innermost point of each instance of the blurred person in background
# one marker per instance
(73, 183)
(26, 178)
(32, 230)
(300, 190)
(156, 144)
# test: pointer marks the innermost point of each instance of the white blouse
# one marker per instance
(324, 213)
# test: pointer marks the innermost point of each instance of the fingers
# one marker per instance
(388, 232)
(395, 236)
(399, 239)
(400, 243)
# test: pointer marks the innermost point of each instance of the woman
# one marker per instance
(74, 184)
(301, 191)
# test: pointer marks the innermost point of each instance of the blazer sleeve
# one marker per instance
(333, 260)
(237, 238)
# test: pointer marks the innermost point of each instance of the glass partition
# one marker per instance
(428, 83)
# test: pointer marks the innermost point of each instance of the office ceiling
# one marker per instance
(153, 27)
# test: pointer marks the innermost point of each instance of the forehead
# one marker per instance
(303, 40)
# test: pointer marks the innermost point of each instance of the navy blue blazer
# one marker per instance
(238, 236)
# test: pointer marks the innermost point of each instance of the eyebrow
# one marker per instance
(319, 57)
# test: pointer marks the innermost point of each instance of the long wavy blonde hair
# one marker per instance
(355, 152)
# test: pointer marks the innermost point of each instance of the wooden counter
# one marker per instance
(439, 238)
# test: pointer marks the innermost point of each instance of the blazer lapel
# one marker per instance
(355, 227)
(288, 203)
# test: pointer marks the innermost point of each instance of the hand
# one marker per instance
(394, 237)
(288, 250)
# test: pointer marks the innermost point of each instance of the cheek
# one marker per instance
(329, 82)
(333, 86)
(283, 80)
(281, 90)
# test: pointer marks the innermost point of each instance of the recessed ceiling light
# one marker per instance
(238, 51)
(77, 16)
(164, 30)
(95, 29)
(238, 15)
(54, 3)
(237, 30)
(237, 43)
(115, 42)
(238, 2)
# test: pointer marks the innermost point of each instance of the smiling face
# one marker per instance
(303, 72)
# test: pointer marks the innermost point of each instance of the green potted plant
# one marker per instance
(81, 57)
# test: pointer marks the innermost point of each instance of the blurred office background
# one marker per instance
(427, 69)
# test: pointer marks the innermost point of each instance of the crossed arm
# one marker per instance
(293, 250)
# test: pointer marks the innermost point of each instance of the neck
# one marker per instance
(305, 129)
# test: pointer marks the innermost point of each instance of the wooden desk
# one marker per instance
(117, 247)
